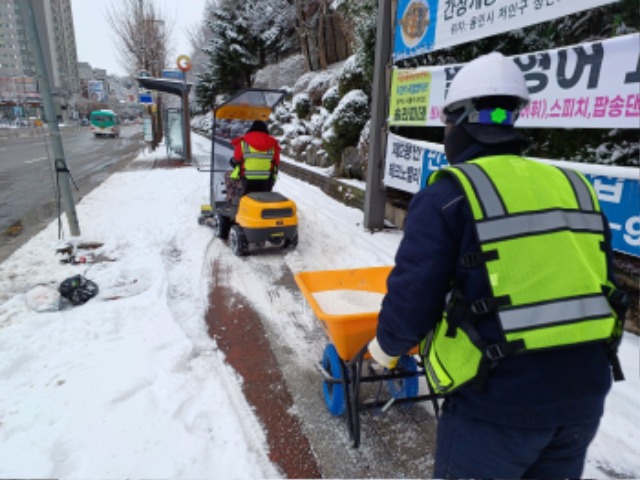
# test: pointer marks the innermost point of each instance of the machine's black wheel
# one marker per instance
(291, 242)
(221, 226)
(237, 241)
(278, 241)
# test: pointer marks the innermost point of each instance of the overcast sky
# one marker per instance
(94, 36)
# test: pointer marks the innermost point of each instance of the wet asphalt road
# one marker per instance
(28, 199)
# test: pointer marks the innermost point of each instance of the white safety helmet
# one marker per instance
(487, 76)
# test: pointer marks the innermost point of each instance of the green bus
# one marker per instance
(105, 123)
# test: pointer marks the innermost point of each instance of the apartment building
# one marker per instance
(19, 94)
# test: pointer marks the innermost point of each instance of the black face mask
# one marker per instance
(456, 142)
(460, 145)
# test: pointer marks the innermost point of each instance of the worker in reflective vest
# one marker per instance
(504, 278)
(256, 158)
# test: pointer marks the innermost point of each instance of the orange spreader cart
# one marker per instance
(345, 356)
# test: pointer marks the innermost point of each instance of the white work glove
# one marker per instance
(380, 356)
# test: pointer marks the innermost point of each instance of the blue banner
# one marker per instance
(415, 28)
(620, 202)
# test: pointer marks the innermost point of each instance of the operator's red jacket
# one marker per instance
(259, 140)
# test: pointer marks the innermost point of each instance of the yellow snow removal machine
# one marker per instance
(255, 219)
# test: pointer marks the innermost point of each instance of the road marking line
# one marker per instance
(35, 160)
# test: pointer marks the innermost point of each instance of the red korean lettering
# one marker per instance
(600, 108)
(632, 108)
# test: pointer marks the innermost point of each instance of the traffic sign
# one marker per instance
(173, 74)
(146, 98)
(184, 63)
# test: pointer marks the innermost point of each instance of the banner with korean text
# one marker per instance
(408, 164)
(424, 26)
(591, 85)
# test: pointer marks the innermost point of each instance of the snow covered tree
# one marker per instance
(242, 40)
(198, 39)
(142, 33)
(342, 129)
(272, 23)
(359, 17)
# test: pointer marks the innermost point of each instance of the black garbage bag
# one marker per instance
(78, 289)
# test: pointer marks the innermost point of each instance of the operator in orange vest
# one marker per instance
(256, 158)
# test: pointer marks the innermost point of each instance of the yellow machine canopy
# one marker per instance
(250, 104)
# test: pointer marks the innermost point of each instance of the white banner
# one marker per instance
(591, 85)
(423, 26)
(408, 163)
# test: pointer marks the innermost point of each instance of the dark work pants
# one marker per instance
(471, 448)
(249, 186)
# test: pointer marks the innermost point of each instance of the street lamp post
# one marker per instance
(61, 169)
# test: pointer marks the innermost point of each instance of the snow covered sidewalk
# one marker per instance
(131, 384)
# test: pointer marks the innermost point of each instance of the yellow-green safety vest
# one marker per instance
(257, 163)
(542, 250)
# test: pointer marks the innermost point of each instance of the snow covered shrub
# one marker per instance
(302, 105)
(347, 121)
(352, 77)
(315, 124)
(330, 99)
(291, 132)
(282, 113)
(351, 115)
(318, 86)
(302, 83)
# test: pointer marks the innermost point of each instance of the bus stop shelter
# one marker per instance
(174, 87)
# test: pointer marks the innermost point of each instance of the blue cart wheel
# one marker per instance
(405, 387)
(333, 392)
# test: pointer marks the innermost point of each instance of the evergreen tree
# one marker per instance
(361, 17)
(242, 40)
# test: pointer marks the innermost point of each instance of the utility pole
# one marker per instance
(186, 125)
(375, 195)
(62, 172)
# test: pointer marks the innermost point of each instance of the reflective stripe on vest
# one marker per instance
(561, 311)
(257, 163)
(538, 223)
(492, 203)
(546, 256)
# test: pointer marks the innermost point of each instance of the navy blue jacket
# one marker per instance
(542, 389)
